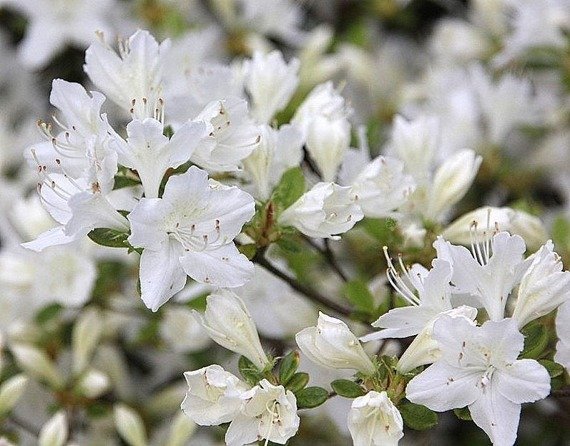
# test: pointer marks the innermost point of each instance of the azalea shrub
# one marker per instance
(284, 222)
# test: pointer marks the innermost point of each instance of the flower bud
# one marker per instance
(11, 391)
(86, 334)
(451, 182)
(374, 420)
(327, 209)
(327, 142)
(36, 363)
(129, 425)
(332, 344)
(213, 396)
(54, 432)
(182, 430)
(228, 323)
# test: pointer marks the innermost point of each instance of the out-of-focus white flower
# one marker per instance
(37, 364)
(10, 392)
(270, 83)
(324, 211)
(323, 119)
(373, 420)
(55, 431)
(562, 355)
(479, 369)
(93, 384)
(86, 334)
(269, 412)
(214, 396)
(277, 151)
(457, 41)
(132, 79)
(228, 323)
(478, 223)
(151, 154)
(543, 287)
(332, 344)
(129, 425)
(190, 230)
(451, 181)
(181, 331)
(231, 137)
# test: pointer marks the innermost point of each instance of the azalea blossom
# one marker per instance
(562, 355)
(479, 369)
(190, 231)
(373, 420)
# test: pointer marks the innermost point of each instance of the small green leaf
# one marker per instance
(288, 367)
(109, 237)
(289, 244)
(553, 368)
(249, 371)
(535, 341)
(297, 382)
(248, 250)
(358, 294)
(290, 188)
(463, 414)
(310, 397)
(122, 181)
(48, 313)
(417, 417)
(347, 388)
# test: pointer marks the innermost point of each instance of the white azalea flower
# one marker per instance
(562, 355)
(332, 344)
(543, 288)
(214, 396)
(228, 323)
(324, 211)
(132, 79)
(190, 231)
(182, 332)
(231, 137)
(269, 412)
(373, 420)
(278, 150)
(151, 153)
(489, 272)
(270, 83)
(479, 369)
(323, 119)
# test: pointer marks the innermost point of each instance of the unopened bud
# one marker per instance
(93, 384)
(36, 363)
(11, 391)
(86, 334)
(182, 428)
(55, 431)
(129, 425)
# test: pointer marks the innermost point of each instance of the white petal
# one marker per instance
(524, 381)
(243, 430)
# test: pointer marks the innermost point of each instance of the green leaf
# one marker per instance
(463, 414)
(310, 397)
(48, 313)
(290, 188)
(249, 371)
(109, 237)
(535, 340)
(553, 368)
(358, 294)
(248, 250)
(288, 367)
(289, 244)
(347, 388)
(561, 233)
(297, 382)
(122, 181)
(417, 417)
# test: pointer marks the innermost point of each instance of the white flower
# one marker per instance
(323, 119)
(151, 153)
(543, 287)
(270, 83)
(190, 231)
(228, 323)
(182, 332)
(477, 222)
(231, 137)
(489, 272)
(131, 79)
(214, 396)
(562, 355)
(55, 431)
(381, 187)
(332, 344)
(269, 412)
(451, 181)
(277, 151)
(479, 369)
(373, 420)
(327, 209)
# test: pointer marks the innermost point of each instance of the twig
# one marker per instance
(311, 294)
(328, 255)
